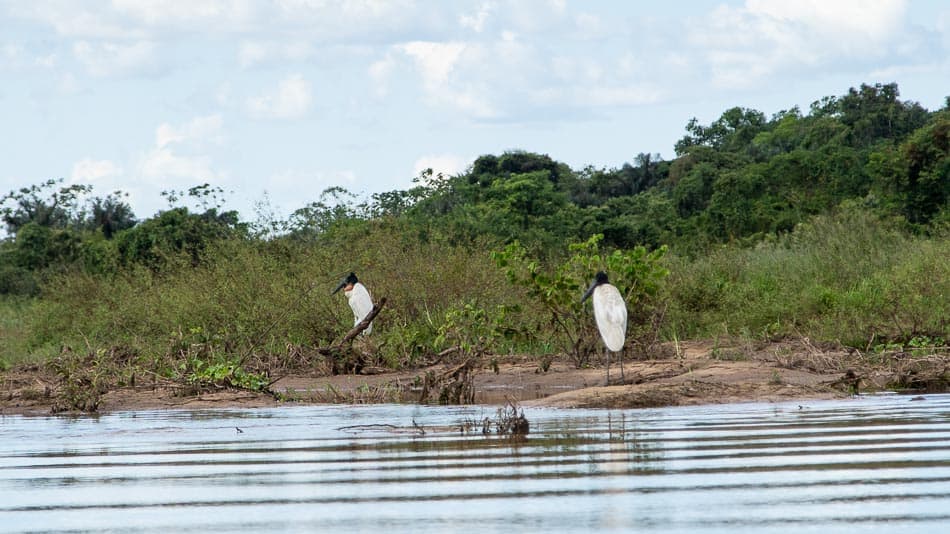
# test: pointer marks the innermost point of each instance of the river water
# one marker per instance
(868, 464)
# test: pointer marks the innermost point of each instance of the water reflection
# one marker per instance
(872, 462)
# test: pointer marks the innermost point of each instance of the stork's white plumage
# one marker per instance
(610, 312)
(358, 298)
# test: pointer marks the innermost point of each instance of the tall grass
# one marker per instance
(14, 331)
(847, 277)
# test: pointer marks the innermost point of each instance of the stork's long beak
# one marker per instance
(339, 287)
(589, 291)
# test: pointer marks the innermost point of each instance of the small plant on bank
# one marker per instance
(925, 345)
(203, 365)
(222, 373)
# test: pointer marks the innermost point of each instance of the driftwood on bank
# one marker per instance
(357, 330)
(343, 357)
(455, 385)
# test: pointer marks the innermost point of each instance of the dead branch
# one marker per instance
(357, 330)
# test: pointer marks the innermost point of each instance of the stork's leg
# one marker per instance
(607, 356)
(620, 355)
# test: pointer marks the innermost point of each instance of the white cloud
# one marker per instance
(205, 15)
(48, 61)
(845, 19)
(346, 15)
(112, 59)
(91, 170)
(164, 165)
(380, 73)
(744, 45)
(557, 6)
(222, 95)
(324, 20)
(447, 164)
(252, 53)
(197, 132)
(589, 26)
(290, 100)
(477, 20)
(435, 61)
(177, 157)
(11, 53)
(74, 19)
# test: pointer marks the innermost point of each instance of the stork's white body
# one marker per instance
(361, 304)
(610, 311)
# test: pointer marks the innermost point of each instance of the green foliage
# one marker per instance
(31, 205)
(54, 230)
(205, 373)
(732, 132)
(158, 241)
(475, 330)
(917, 174)
(66, 207)
(110, 215)
(849, 277)
(15, 280)
(38, 247)
(14, 330)
(871, 113)
(556, 292)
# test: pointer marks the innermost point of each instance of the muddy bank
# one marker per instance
(682, 374)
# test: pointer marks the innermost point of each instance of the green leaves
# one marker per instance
(557, 290)
(476, 330)
(219, 373)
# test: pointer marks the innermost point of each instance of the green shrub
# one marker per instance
(848, 277)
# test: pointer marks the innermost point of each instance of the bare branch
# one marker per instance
(363, 325)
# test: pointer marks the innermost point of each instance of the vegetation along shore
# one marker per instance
(801, 255)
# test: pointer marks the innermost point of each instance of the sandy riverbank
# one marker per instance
(690, 373)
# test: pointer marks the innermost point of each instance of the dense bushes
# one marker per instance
(846, 277)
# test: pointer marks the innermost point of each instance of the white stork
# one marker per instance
(610, 311)
(358, 297)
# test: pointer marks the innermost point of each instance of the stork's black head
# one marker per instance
(599, 279)
(350, 280)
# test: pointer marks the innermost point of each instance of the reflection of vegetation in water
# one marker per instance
(594, 448)
(558, 448)
(637, 454)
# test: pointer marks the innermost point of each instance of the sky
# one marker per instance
(275, 101)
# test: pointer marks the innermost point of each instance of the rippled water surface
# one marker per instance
(879, 464)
